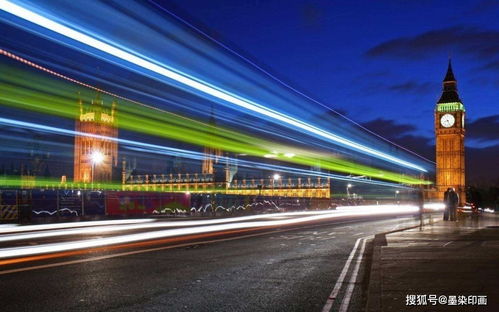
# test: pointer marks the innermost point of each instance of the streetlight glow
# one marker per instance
(97, 157)
(277, 176)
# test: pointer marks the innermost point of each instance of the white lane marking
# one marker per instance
(332, 297)
(161, 248)
(448, 243)
(358, 234)
(348, 295)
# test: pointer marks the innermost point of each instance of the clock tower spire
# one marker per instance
(449, 132)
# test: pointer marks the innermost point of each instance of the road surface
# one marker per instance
(284, 268)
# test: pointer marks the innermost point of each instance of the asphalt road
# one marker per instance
(279, 270)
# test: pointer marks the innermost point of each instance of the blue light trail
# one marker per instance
(163, 150)
(198, 84)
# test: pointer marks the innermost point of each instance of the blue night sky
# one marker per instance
(380, 62)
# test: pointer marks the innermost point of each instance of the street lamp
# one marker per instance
(396, 196)
(348, 189)
(97, 158)
(275, 177)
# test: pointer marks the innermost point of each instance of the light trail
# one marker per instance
(152, 148)
(195, 83)
(100, 227)
(150, 122)
(131, 238)
(42, 227)
(221, 44)
(97, 227)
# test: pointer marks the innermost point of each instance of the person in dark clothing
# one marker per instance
(420, 203)
(451, 200)
(454, 204)
(447, 204)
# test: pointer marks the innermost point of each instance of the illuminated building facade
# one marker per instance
(450, 131)
(94, 158)
(206, 183)
(218, 177)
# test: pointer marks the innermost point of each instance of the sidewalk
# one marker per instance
(457, 262)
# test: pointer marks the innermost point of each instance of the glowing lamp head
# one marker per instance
(97, 157)
(349, 185)
(276, 176)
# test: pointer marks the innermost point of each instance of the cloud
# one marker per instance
(412, 86)
(312, 14)
(409, 86)
(494, 65)
(482, 129)
(388, 128)
(472, 41)
(482, 165)
(484, 7)
(419, 144)
(400, 134)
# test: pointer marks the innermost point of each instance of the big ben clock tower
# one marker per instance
(449, 131)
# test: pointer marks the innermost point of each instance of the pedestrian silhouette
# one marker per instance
(451, 200)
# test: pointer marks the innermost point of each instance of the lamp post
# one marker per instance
(348, 190)
(275, 177)
(396, 196)
(97, 158)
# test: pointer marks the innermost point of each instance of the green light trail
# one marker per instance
(29, 91)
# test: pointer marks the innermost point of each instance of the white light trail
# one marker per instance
(434, 206)
(98, 227)
(191, 82)
(130, 238)
(42, 227)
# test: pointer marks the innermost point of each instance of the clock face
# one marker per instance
(447, 120)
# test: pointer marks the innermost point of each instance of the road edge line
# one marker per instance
(353, 279)
(339, 282)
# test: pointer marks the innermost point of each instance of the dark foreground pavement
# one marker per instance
(456, 262)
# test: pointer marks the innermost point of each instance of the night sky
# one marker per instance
(379, 62)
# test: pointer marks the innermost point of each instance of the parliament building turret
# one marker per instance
(96, 153)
